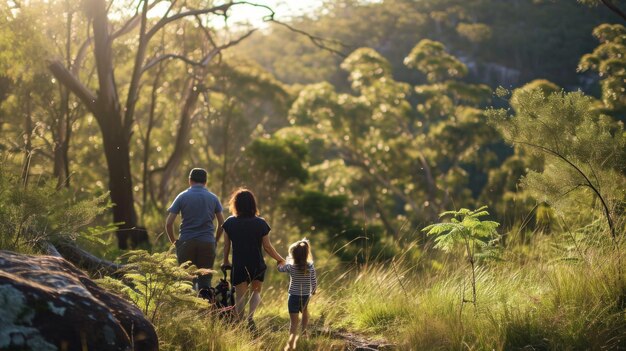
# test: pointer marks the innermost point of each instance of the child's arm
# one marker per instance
(283, 267)
(313, 280)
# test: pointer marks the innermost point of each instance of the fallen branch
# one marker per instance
(96, 266)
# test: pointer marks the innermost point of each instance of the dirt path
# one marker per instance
(357, 342)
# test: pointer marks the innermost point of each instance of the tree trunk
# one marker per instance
(61, 141)
(28, 148)
(63, 124)
(146, 142)
(116, 150)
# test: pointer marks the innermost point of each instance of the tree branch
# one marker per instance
(107, 94)
(165, 20)
(127, 27)
(614, 8)
(134, 87)
(589, 184)
(60, 72)
(205, 60)
(94, 265)
(155, 61)
(320, 42)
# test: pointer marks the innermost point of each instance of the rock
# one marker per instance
(48, 304)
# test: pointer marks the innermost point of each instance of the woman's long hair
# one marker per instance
(300, 254)
(242, 203)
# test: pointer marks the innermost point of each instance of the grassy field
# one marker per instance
(550, 293)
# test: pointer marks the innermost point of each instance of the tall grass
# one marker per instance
(543, 303)
(536, 298)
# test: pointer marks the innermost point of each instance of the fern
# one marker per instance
(468, 231)
(156, 283)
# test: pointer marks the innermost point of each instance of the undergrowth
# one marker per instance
(526, 301)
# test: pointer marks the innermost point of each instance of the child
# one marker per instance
(302, 284)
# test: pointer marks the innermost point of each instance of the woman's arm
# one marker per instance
(226, 248)
(267, 245)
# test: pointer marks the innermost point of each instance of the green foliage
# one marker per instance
(545, 86)
(328, 220)
(320, 211)
(162, 290)
(431, 58)
(281, 157)
(274, 166)
(474, 32)
(365, 67)
(584, 149)
(433, 131)
(34, 215)
(155, 283)
(609, 61)
(465, 229)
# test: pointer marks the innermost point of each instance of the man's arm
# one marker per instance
(169, 226)
(220, 230)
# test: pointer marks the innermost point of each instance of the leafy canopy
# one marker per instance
(609, 61)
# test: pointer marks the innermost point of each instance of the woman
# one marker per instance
(248, 233)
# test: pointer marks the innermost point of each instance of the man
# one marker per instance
(196, 243)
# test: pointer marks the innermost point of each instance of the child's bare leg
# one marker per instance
(305, 319)
(240, 299)
(293, 331)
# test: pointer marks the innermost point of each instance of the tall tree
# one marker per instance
(114, 116)
(584, 150)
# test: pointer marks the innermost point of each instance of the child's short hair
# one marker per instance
(300, 254)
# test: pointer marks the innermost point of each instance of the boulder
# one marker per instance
(48, 304)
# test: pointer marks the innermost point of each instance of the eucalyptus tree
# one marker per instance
(47, 113)
(393, 133)
(115, 116)
(609, 61)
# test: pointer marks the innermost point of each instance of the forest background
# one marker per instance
(356, 125)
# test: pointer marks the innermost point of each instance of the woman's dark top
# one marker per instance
(246, 235)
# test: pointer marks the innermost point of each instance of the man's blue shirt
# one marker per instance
(198, 207)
